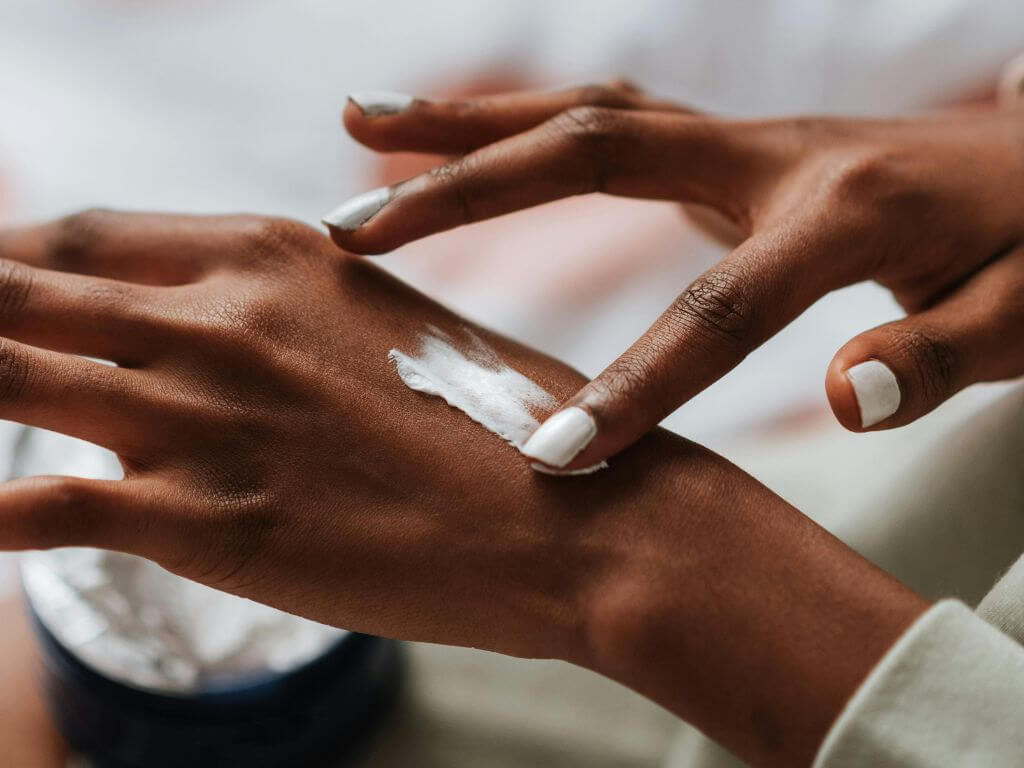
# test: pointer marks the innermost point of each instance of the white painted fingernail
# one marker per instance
(876, 389)
(559, 439)
(377, 103)
(352, 214)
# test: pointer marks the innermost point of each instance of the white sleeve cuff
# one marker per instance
(950, 692)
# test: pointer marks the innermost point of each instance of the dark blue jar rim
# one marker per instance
(248, 692)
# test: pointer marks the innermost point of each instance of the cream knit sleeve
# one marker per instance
(950, 692)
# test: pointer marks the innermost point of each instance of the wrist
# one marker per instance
(724, 604)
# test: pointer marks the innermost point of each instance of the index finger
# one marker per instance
(714, 324)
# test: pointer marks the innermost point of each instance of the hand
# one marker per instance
(929, 207)
(271, 450)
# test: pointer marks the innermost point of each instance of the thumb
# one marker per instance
(896, 373)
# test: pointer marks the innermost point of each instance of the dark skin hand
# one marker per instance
(930, 207)
(270, 450)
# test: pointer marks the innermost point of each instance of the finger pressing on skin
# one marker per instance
(708, 330)
(100, 403)
(391, 122)
(896, 373)
(66, 312)
(58, 511)
(588, 149)
(154, 249)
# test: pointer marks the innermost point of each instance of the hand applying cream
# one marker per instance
(561, 438)
(469, 375)
(818, 204)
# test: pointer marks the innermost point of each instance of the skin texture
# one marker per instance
(27, 732)
(270, 450)
(929, 207)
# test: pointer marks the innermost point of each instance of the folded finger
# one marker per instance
(390, 122)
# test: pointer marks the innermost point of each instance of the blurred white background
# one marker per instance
(233, 105)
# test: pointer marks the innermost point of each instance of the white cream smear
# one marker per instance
(479, 383)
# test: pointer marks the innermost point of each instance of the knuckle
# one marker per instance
(934, 358)
(879, 181)
(237, 319)
(716, 304)
(619, 94)
(240, 523)
(588, 123)
(862, 176)
(14, 371)
(240, 331)
(594, 136)
(112, 296)
(15, 286)
(257, 316)
(272, 239)
(628, 374)
(65, 494)
(455, 179)
(73, 513)
(625, 85)
(636, 377)
(77, 236)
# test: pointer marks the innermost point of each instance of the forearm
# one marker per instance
(755, 626)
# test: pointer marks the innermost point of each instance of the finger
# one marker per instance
(390, 122)
(634, 154)
(100, 403)
(896, 373)
(149, 248)
(113, 320)
(723, 315)
(49, 512)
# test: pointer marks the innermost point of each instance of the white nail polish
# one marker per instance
(352, 214)
(377, 103)
(546, 470)
(876, 389)
(559, 439)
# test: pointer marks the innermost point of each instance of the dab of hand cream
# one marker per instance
(479, 383)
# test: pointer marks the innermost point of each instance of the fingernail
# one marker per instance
(377, 103)
(561, 437)
(876, 389)
(352, 214)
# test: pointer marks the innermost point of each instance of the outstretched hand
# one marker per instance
(271, 450)
(929, 207)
